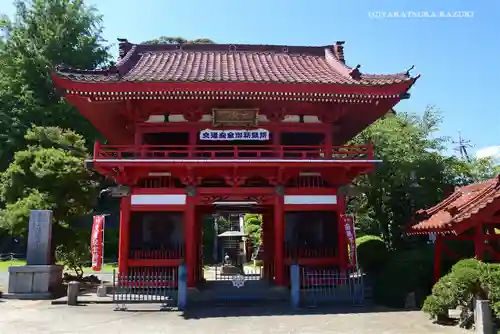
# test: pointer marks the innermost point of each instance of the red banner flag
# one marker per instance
(96, 242)
(348, 221)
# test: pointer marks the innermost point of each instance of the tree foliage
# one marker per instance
(253, 227)
(178, 40)
(41, 35)
(48, 174)
(414, 173)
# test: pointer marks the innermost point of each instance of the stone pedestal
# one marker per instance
(102, 291)
(483, 320)
(34, 281)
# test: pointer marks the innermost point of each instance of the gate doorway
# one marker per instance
(233, 268)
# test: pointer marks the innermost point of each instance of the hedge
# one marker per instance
(468, 279)
(372, 253)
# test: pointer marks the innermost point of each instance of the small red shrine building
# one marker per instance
(190, 127)
(469, 213)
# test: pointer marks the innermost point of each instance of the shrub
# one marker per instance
(75, 254)
(372, 253)
(468, 280)
(405, 271)
(74, 257)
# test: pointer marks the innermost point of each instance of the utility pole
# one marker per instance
(462, 146)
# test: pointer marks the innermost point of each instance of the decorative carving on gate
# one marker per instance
(189, 179)
(235, 117)
(259, 199)
(209, 199)
(190, 191)
(235, 181)
(280, 190)
(238, 281)
(193, 115)
(277, 115)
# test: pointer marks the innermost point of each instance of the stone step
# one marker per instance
(250, 291)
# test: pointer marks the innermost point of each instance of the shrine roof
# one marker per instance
(232, 63)
(458, 208)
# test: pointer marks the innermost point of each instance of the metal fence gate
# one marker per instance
(319, 286)
(146, 286)
(241, 274)
(234, 284)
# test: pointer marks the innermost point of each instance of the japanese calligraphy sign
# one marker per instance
(257, 134)
(348, 222)
(96, 245)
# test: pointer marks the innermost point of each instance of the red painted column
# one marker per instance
(193, 141)
(279, 236)
(190, 240)
(124, 241)
(479, 242)
(328, 145)
(277, 142)
(438, 251)
(342, 237)
(266, 243)
(97, 148)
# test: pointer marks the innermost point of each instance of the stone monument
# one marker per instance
(38, 278)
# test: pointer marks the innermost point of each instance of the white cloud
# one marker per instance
(492, 152)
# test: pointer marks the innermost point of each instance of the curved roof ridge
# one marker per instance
(275, 48)
(122, 60)
(341, 66)
(464, 203)
(476, 196)
(336, 64)
(188, 63)
(448, 200)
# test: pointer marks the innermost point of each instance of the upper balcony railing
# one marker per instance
(260, 152)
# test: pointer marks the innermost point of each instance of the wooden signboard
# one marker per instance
(235, 117)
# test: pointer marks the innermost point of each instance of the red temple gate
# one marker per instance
(192, 125)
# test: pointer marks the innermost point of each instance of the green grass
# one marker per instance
(4, 266)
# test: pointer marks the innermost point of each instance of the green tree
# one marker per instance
(414, 173)
(178, 40)
(253, 227)
(48, 174)
(41, 35)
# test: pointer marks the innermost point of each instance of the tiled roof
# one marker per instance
(457, 208)
(232, 63)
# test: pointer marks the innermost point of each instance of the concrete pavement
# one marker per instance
(37, 317)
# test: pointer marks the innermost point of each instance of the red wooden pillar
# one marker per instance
(328, 145)
(277, 142)
(193, 141)
(438, 253)
(279, 236)
(190, 240)
(97, 148)
(124, 242)
(342, 237)
(479, 241)
(266, 243)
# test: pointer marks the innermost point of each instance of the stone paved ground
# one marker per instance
(28, 317)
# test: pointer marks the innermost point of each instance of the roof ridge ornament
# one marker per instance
(232, 47)
(338, 49)
(407, 72)
(355, 73)
(124, 47)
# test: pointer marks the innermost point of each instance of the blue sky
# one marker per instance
(458, 58)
